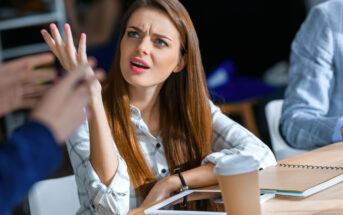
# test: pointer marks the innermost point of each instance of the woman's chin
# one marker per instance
(139, 84)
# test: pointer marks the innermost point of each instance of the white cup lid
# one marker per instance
(235, 165)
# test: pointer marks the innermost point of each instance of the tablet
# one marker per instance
(173, 204)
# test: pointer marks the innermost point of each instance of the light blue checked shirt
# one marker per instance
(96, 198)
(312, 112)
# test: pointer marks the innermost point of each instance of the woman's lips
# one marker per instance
(138, 69)
(138, 65)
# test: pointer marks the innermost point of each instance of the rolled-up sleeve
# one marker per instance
(95, 196)
(231, 138)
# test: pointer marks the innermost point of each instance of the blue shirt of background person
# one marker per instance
(312, 113)
(29, 155)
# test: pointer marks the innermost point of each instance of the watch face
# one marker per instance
(183, 188)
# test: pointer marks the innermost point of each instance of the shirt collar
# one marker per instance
(135, 112)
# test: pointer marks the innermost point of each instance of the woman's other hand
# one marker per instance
(163, 189)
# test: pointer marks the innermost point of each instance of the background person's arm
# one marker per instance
(20, 85)
(32, 151)
(31, 154)
(305, 123)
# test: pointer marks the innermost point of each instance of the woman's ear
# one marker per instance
(180, 65)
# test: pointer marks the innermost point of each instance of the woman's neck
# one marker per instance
(147, 101)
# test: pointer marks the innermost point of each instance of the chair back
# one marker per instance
(54, 197)
(280, 148)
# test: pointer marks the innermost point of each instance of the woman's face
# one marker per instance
(150, 49)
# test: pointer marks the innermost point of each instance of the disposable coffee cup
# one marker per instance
(238, 181)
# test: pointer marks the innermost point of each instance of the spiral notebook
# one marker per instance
(305, 174)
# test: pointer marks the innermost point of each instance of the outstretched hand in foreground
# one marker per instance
(63, 107)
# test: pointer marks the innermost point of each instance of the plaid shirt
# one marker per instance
(119, 197)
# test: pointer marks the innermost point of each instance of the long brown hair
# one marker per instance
(185, 116)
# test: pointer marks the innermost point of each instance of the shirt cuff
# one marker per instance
(115, 197)
(215, 156)
(337, 133)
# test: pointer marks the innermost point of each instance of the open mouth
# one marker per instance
(139, 64)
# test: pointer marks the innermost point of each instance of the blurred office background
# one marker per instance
(253, 35)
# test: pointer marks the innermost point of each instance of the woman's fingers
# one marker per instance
(70, 47)
(82, 55)
(92, 61)
(100, 74)
(67, 64)
(56, 35)
(50, 41)
(66, 52)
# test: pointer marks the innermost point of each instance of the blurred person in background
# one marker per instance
(312, 113)
(33, 151)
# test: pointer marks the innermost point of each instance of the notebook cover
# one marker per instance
(305, 171)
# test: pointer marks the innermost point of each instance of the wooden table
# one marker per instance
(326, 202)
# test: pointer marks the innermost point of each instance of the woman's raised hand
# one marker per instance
(65, 51)
(69, 57)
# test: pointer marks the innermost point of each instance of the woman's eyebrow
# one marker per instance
(158, 35)
(136, 28)
(162, 36)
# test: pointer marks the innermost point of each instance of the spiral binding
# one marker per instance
(310, 166)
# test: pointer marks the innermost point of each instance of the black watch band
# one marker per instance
(183, 182)
(184, 186)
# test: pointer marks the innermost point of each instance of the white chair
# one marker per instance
(54, 197)
(281, 149)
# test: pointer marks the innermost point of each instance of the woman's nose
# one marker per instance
(144, 46)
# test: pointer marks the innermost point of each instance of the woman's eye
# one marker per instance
(161, 42)
(133, 34)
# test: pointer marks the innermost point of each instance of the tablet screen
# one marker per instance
(195, 202)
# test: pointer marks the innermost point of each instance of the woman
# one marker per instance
(156, 106)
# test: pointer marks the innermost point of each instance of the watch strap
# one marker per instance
(184, 186)
(183, 182)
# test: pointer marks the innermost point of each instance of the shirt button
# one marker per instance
(164, 171)
(158, 145)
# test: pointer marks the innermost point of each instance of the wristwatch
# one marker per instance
(183, 182)
(184, 186)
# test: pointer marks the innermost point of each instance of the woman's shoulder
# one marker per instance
(213, 107)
